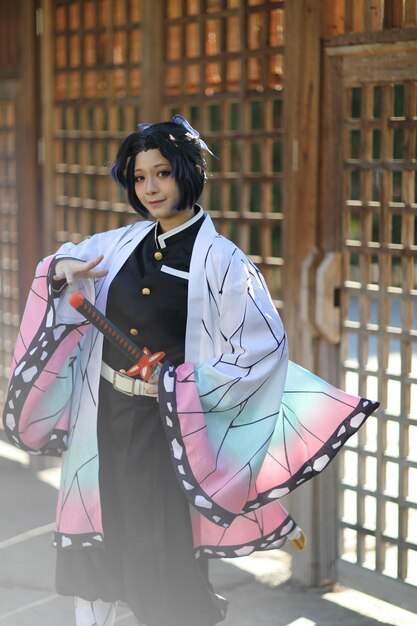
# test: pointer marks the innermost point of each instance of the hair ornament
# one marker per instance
(191, 133)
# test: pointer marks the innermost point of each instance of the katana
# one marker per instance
(144, 361)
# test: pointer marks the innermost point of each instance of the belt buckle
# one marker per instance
(130, 393)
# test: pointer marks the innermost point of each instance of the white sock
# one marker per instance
(94, 613)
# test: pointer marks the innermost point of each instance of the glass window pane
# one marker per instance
(233, 34)
(254, 33)
(399, 96)
(254, 240)
(377, 102)
(213, 37)
(276, 241)
(277, 156)
(355, 144)
(256, 115)
(276, 27)
(277, 113)
(376, 144)
(255, 197)
(276, 197)
(356, 102)
(255, 158)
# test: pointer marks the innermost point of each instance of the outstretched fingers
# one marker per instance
(72, 268)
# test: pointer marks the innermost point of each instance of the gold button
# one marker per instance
(146, 291)
(122, 371)
(158, 256)
(134, 332)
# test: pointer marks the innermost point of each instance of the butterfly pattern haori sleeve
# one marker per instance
(246, 425)
(38, 405)
(51, 405)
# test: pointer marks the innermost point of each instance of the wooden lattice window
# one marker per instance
(223, 68)
(97, 82)
(9, 287)
(378, 529)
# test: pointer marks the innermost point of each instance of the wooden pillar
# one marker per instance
(27, 132)
(152, 51)
(47, 126)
(301, 123)
(29, 217)
(313, 505)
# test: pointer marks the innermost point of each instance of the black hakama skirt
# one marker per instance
(147, 558)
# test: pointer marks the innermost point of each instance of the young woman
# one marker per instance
(158, 476)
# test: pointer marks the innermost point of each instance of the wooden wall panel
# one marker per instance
(9, 36)
(393, 13)
(344, 17)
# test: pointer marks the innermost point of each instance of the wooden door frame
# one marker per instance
(314, 505)
(361, 60)
(313, 193)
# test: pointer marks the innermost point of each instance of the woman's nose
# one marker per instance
(151, 185)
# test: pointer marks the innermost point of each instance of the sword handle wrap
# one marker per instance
(144, 360)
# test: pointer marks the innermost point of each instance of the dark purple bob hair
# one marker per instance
(175, 143)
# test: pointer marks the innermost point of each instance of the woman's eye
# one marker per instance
(164, 173)
(138, 179)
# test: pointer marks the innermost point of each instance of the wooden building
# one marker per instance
(311, 106)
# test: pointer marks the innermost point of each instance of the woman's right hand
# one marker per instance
(70, 269)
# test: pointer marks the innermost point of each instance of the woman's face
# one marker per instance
(157, 189)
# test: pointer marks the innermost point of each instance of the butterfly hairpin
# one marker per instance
(192, 133)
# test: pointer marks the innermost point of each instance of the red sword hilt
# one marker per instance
(146, 364)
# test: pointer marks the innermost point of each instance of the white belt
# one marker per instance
(128, 385)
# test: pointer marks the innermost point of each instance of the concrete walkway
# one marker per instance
(259, 588)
